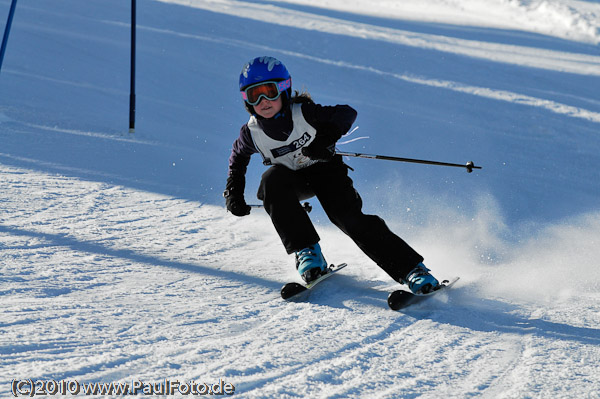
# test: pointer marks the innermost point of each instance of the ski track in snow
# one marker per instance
(104, 283)
(569, 19)
(512, 54)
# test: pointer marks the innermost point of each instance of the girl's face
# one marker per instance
(267, 108)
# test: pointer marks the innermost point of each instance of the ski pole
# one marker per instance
(469, 165)
(305, 205)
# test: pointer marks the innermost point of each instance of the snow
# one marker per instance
(567, 19)
(119, 262)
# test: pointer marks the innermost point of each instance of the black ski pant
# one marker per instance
(282, 189)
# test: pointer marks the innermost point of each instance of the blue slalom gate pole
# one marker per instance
(11, 13)
(132, 74)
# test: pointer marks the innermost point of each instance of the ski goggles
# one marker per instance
(269, 90)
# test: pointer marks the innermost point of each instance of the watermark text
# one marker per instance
(28, 387)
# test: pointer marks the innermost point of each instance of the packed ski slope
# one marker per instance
(119, 263)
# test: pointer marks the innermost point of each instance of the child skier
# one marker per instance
(297, 137)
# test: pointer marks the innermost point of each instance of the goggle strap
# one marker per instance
(284, 85)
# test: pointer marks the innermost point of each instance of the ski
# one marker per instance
(293, 290)
(401, 299)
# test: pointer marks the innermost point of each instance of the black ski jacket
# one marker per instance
(330, 121)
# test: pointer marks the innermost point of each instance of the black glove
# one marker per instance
(234, 196)
(322, 148)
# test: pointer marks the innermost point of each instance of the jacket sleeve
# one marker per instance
(242, 150)
(330, 121)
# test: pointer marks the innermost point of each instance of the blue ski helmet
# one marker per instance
(264, 69)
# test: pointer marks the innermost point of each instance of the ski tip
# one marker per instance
(291, 289)
(398, 299)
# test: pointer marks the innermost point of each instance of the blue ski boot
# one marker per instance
(310, 263)
(420, 281)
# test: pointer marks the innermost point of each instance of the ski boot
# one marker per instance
(420, 281)
(310, 263)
